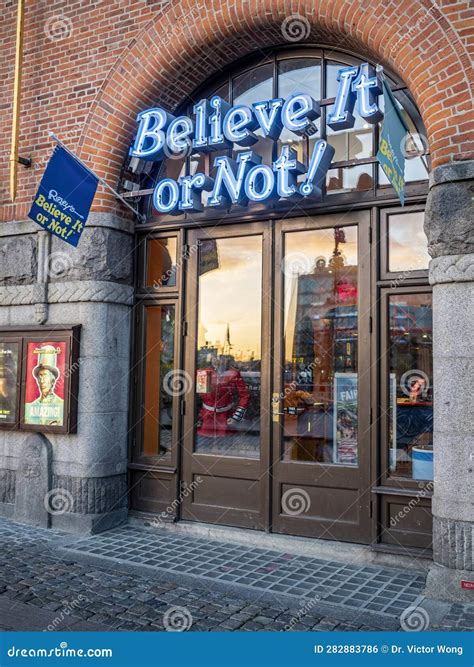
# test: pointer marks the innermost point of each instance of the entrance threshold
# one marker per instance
(354, 554)
(371, 595)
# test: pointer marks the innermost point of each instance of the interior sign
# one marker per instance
(217, 125)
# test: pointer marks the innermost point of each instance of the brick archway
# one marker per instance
(184, 45)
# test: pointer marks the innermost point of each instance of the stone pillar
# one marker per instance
(46, 282)
(449, 226)
(33, 482)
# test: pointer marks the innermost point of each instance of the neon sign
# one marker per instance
(217, 125)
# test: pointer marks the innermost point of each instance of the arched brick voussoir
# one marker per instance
(187, 42)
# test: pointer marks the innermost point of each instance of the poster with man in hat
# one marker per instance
(44, 400)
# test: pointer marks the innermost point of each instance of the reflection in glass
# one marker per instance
(299, 75)
(229, 347)
(263, 147)
(320, 371)
(255, 85)
(352, 144)
(349, 179)
(161, 262)
(415, 170)
(411, 386)
(158, 396)
(407, 243)
(302, 75)
(332, 68)
(222, 92)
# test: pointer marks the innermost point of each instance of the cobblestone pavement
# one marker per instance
(36, 577)
(368, 588)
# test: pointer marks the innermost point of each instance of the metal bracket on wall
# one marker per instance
(25, 161)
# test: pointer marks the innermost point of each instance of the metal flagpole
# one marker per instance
(99, 178)
(16, 100)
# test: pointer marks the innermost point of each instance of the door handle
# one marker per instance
(290, 410)
(276, 398)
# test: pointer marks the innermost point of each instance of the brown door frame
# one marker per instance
(169, 473)
(153, 480)
(301, 474)
(205, 465)
(390, 489)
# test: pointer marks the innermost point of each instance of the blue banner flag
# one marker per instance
(64, 197)
(391, 153)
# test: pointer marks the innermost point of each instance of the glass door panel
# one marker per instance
(321, 421)
(225, 451)
(320, 397)
(228, 365)
(411, 386)
(160, 380)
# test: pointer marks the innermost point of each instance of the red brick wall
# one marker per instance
(89, 66)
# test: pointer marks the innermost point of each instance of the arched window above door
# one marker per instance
(354, 172)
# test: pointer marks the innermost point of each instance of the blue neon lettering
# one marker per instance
(268, 115)
(298, 111)
(341, 117)
(368, 87)
(229, 179)
(150, 140)
(191, 191)
(318, 165)
(217, 125)
(179, 134)
(260, 183)
(237, 126)
(166, 196)
(217, 140)
(287, 169)
(201, 111)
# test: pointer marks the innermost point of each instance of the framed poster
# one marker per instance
(44, 383)
(10, 354)
(345, 418)
(39, 378)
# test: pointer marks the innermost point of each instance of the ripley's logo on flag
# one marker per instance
(64, 197)
(391, 154)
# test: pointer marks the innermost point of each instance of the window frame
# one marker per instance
(138, 459)
(408, 275)
(148, 297)
(386, 478)
(142, 264)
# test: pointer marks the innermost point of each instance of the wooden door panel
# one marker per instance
(321, 438)
(233, 485)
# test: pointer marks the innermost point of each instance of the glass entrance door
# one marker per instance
(227, 422)
(277, 354)
(320, 400)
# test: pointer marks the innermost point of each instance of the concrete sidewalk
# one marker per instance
(134, 578)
